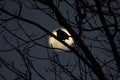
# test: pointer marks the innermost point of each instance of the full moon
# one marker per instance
(53, 43)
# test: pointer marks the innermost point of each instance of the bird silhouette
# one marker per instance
(62, 35)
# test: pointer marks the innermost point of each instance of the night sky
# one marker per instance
(38, 51)
(42, 65)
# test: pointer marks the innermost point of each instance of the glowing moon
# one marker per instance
(56, 44)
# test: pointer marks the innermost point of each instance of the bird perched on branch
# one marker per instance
(62, 35)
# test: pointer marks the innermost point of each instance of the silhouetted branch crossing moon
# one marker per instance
(62, 34)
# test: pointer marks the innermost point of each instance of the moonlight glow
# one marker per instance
(56, 44)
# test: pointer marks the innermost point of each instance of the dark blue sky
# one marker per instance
(44, 20)
(38, 51)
